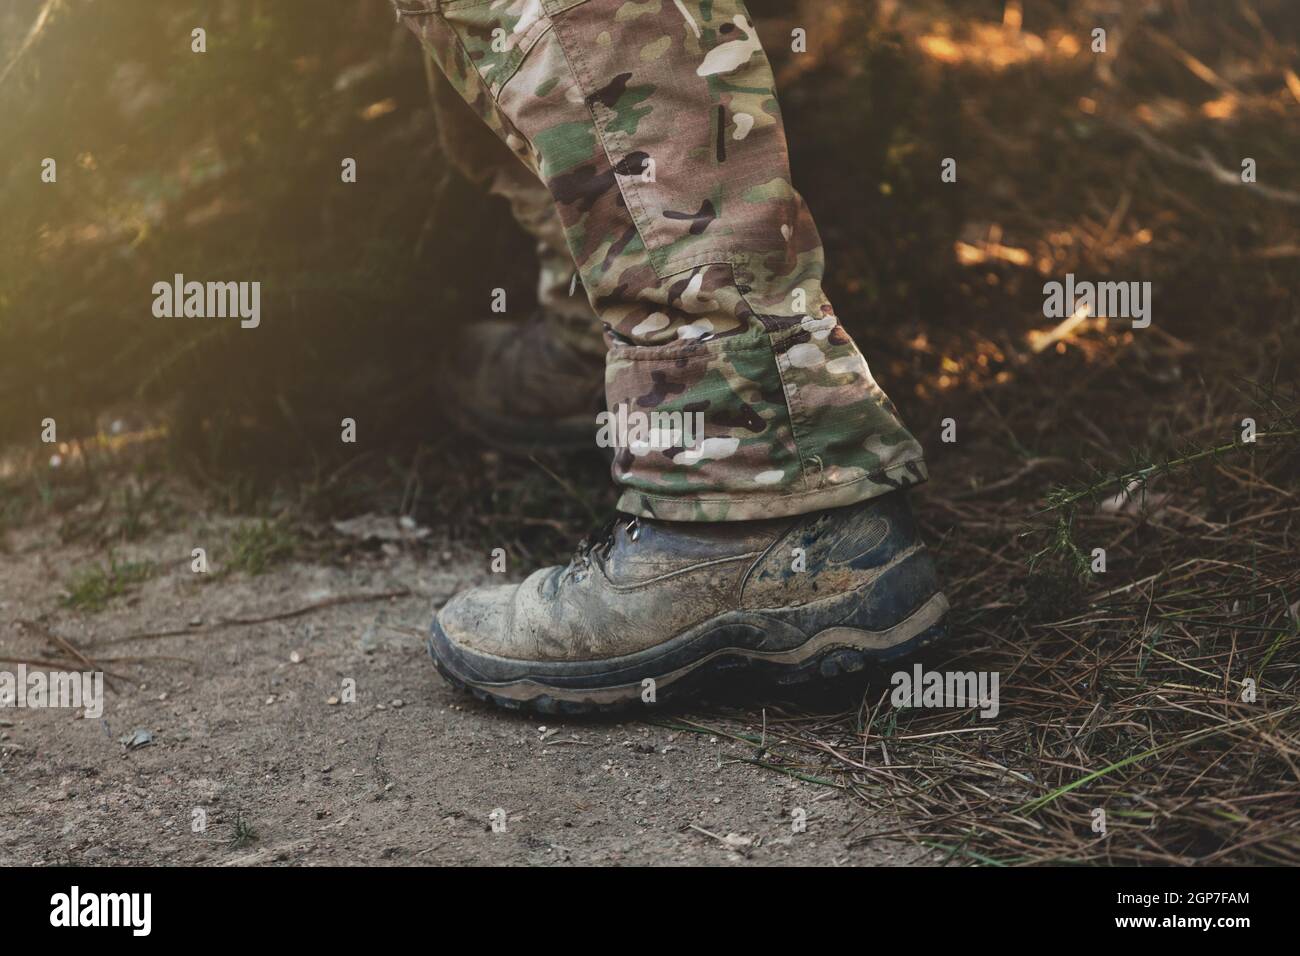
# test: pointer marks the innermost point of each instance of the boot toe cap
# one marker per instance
(479, 620)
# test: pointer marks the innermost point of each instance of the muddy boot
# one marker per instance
(522, 388)
(654, 610)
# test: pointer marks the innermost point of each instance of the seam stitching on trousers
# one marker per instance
(752, 499)
(632, 353)
(506, 122)
(785, 390)
(577, 64)
(613, 142)
(541, 28)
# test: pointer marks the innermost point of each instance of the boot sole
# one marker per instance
(829, 653)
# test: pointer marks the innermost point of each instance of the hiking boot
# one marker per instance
(522, 388)
(653, 610)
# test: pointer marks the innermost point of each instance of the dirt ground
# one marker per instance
(244, 730)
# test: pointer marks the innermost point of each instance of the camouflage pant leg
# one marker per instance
(656, 128)
(483, 159)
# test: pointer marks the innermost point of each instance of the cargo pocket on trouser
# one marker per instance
(753, 427)
(850, 437)
(684, 103)
(678, 96)
(701, 429)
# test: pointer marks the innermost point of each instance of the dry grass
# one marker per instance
(1127, 692)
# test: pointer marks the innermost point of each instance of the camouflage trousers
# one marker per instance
(653, 127)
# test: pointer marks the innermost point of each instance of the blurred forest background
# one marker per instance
(1123, 165)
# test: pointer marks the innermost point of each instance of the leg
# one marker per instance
(657, 131)
(779, 543)
(483, 159)
(555, 359)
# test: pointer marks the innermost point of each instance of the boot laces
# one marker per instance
(602, 542)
